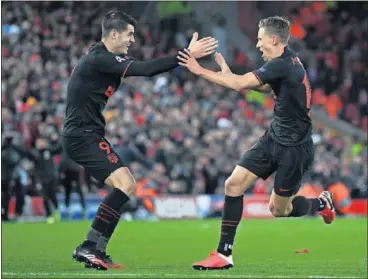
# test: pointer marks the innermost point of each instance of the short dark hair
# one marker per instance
(276, 25)
(115, 19)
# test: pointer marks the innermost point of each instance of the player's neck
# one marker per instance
(279, 51)
(108, 46)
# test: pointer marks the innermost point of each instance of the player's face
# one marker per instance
(124, 39)
(265, 44)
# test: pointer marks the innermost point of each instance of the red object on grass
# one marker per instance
(301, 251)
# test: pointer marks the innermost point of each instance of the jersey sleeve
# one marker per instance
(271, 71)
(152, 67)
(112, 64)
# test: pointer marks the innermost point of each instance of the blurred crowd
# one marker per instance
(177, 133)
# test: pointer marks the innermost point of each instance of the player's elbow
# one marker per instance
(240, 83)
(238, 86)
(247, 81)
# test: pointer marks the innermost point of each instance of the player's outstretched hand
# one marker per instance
(202, 47)
(188, 61)
(220, 60)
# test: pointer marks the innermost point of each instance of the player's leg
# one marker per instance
(294, 162)
(108, 215)
(5, 199)
(298, 206)
(235, 186)
(46, 204)
(50, 187)
(19, 197)
(100, 160)
(255, 163)
(123, 184)
(67, 183)
(52, 190)
(78, 189)
(88, 180)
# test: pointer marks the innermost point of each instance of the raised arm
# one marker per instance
(251, 80)
(124, 66)
(225, 69)
(153, 67)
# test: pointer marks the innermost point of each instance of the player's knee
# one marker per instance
(271, 207)
(278, 211)
(128, 186)
(122, 180)
(232, 187)
(132, 187)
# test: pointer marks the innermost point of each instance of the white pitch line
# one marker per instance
(205, 274)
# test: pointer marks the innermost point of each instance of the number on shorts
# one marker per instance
(105, 147)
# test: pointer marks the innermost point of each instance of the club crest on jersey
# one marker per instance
(113, 158)
(119, 59)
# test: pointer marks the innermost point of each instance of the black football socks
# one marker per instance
(107, 216)
(233, 210)
(303, 206)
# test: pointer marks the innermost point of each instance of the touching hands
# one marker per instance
(202, 47)
(188, 61)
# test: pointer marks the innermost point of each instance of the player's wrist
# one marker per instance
(200, 71)
(195, 55)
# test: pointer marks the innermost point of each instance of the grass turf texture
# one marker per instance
(166, 249)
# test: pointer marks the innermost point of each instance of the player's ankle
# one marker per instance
(222, 252)
(88, 243)
(228, 258)
(323, 204)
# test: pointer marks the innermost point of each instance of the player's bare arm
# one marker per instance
(266, 88)
(226, 79)
(220, 60)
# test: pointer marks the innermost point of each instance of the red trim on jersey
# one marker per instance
(123, 75)
(260, 81)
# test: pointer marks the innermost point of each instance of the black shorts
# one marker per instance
(289, 162)
(94, 153)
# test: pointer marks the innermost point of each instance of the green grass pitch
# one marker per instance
(166, 249)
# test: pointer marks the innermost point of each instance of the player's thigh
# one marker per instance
(67, 180)
(5, 186)
(293, 163)
(67, 183)
(48, 187)
(96, 155)
(239, 181)
(73, 175)
(258, 160)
